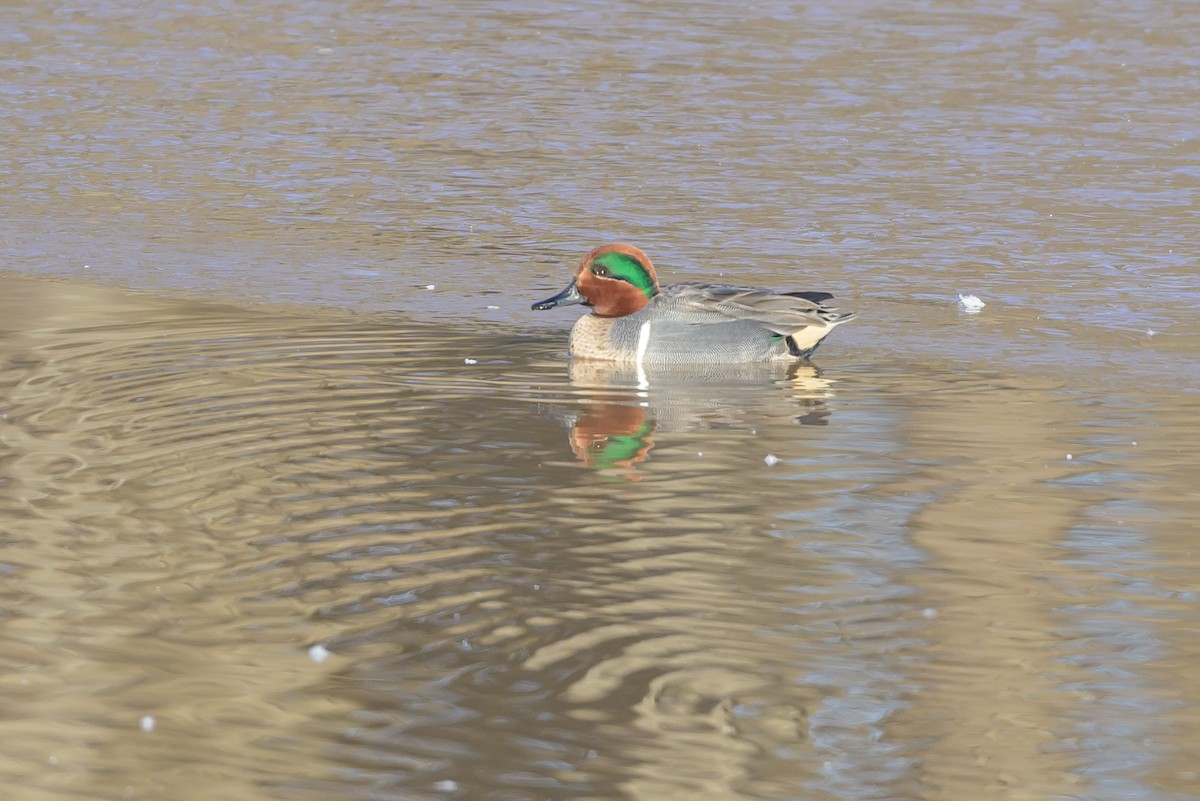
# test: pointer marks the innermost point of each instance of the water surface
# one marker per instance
(269, 381)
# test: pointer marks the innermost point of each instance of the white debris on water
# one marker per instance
(970, 304)
(319, 653)
(431, 286)
(493, 308)
(1069, 457)
(1150, 332)
(470, 361)
(446, 785)
(929, 614)
(147, 723)
(770, 460)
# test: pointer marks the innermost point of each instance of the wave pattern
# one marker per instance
(540, 581)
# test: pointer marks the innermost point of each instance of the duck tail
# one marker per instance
(802, 344)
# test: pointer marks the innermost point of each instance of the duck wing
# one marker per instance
(815, 297)
(784, 313)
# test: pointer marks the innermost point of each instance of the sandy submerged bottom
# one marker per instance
(366, 557)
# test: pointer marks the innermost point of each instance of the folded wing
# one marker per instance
(782, 313)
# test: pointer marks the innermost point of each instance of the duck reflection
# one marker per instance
(608, 435)
(623, 405)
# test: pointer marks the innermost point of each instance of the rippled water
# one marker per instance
(319, 510)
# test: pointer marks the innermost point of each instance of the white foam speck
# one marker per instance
(1150, 332)
(319, 653)
(1069, 457)
(771, 460)
(470, 361)
(929, 614)
(493, 308)
(431, 286)
(446, 785)
(147, 723)
(970, 304)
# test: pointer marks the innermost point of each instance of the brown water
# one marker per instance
(957, 559)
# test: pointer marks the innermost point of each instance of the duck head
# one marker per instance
(614, 280)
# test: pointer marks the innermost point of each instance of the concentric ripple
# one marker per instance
(324, 555)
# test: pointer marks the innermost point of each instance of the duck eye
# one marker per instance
(600, 271)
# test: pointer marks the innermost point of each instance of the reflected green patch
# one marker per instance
(622, 449)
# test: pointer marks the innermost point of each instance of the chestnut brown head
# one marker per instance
(614, 280)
